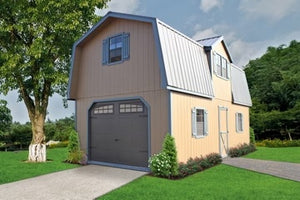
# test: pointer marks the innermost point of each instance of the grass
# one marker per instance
(220, 182)
(284, 154)
(13, 167)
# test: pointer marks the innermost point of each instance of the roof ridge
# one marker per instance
(209, 38)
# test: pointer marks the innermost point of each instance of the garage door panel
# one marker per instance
(120, 135)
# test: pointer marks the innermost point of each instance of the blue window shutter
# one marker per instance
(105, 50)
(205, 122)
(194, 124)
(126, 46)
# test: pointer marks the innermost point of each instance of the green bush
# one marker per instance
(160, 165)
(60, 144)
(170, 149)
(278, 143)
(74, 152)
(252, 136)
(241, 150)
(164, 164)
(198, 164)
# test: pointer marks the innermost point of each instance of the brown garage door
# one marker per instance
(119, 133)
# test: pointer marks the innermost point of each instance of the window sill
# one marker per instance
(199, 137)
(221, 77)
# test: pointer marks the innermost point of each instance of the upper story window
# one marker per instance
(115, 49)
(199, 122)
(221, 66)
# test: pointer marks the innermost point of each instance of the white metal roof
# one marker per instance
(211, 40)
(239, 86)
(185, 62)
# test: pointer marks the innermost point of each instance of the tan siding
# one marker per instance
(188, 146)
(222, 87)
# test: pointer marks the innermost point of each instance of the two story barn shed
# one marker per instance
(134, 79)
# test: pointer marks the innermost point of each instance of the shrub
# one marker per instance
(279, 143)
(252, 136)
(241, 150)
(198, 164)
(170, 149)
(60, 144)
(164, 164)
(160, 164)
(74, 152)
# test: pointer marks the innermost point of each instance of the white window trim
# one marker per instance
(237, 122)
(228, 66)
(205, 123)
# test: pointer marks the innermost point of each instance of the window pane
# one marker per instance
(218, 63)
(104, 109)
(224, 67)
(131, 108)
(115, 49)
(200, 122)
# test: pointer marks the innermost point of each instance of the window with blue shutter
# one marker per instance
(116, 49)
(199, 122)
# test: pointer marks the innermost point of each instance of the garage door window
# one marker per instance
(131, 108)
(104, 109)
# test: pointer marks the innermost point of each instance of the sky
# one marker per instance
(248, 27)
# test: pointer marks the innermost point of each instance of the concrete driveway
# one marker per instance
(86, 182)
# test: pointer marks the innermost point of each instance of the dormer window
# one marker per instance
(115, 49)
(221, 66)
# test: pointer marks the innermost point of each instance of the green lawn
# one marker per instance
(285, 154)
(220, 182)
(14, 168)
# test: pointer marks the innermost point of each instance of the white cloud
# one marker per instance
(128, 6)
(243, 51)
(209, 32)
(204, 34)
(272, 10)
(207, 5)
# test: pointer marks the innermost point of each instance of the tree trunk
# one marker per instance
(37, 148)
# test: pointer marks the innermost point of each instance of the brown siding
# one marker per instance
(139, 73)
(188, 146)
(138, 76)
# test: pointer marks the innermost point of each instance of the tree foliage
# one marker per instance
(36, 37)
(274, 82)
(5, 116)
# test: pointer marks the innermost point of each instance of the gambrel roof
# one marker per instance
(182, 61)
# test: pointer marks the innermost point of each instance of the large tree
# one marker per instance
(36, 37)
(274, 82)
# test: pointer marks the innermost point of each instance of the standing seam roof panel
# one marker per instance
(185, 62)
(240, 91)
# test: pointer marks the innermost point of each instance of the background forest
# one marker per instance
(274, 82)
